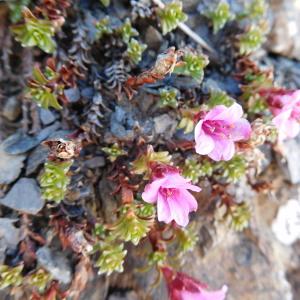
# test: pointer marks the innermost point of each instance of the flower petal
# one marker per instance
(241, 130)
(189, 199)
(175, 180)
(286, 126)
(179, 209)
(163, 209)
(150, 193)
(231, 114)
(224, 150)
(204, 144)
(215, 112)
(205, 295)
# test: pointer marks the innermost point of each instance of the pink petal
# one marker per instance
(231, 114)
(175, 180)
(179, 210)
(163, 209)
(205, 295)
(215, 112)
(189, 199)
(286, 126)
(204, 144)
(198, 129)
(224, 150)
(241, 130)
(150, 193)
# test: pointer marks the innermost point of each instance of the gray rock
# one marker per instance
(73, 94)
(10, 165)
(164, 124)
(285, 28)
(9, 233)
(47, 116)
(12, 109)
(37, 157)
(153, 38)
(95, 162)
(290, 163)
(24, 196)
(25, 143)
(55, 263)
(130, 295)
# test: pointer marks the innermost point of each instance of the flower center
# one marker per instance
(167, 192)
(217, 128)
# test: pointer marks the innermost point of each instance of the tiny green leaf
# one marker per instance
(54, 181)
(35, 32)
(135, 50)
(192, 65)
(220, 16)
(171, 16)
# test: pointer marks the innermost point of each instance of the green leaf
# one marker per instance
(220, 16)
(114, 152)
(256, 9)
(103, 27)
(35, 32)
(54, 181)
(219, 98)
(194, 170)
(15, 9)
(130, 226)
(251, 40)
(106, 3)
(192, 65)
(10, 276)
(171, 16)
(239, 216)
(39, 279)
(127, 31)
(111, 258)
(142, 164)
(233, 169)
(135, 50)
(168, 97)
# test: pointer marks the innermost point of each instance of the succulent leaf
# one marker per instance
(171, 16)
(35, 32)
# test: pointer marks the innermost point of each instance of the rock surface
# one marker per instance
(24, 196)
(25, 143)
(285, 28)
(290, 162)
(55, 263)
(10, 165)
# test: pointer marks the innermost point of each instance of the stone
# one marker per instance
(9, 232)
(25, 143)
(289, 162)
(72, 94)
(285, 28)
(153, 38)
(286, 226)
(47, 116)
(10, 165)
(129, 295)
(55, 263)
(164, 124)
(36, 158)
(24, 196)
(95, 162)
(12, 109)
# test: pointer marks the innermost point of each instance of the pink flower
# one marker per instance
(169, 190)
(285, 106)
(184, 287)
(216, 133)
